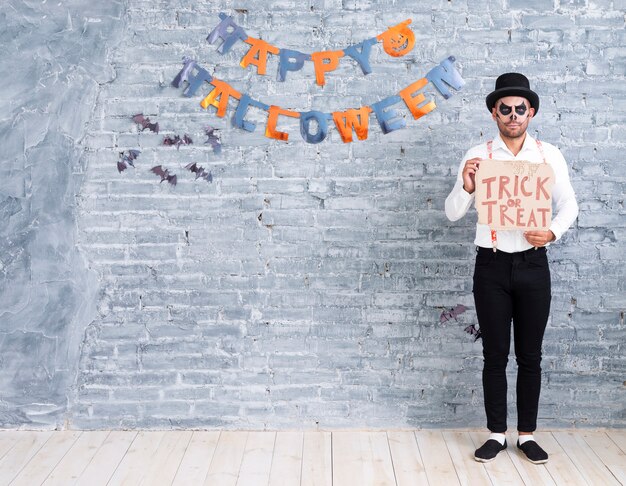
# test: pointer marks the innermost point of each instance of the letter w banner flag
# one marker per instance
(512, 194)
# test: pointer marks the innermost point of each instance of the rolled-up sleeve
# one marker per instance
(459, 200)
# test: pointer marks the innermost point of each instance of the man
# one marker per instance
(511, 276)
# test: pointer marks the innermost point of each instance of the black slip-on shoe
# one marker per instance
(489, 450)
(534, 453)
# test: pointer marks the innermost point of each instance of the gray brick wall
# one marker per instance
(303, 286)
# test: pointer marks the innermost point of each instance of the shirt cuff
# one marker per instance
(558, 232)
(465, 196)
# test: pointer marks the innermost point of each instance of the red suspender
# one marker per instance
(494, 235)
(540, 147)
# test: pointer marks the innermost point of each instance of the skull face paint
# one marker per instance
(512, 115)
(520, 110)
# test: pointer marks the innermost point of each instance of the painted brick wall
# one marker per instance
(303, 287)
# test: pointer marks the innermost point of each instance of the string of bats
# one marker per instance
(127, 158)
(451, 314)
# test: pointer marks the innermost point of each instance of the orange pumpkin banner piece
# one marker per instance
(413, 102)
(398, 40)
(324, 62)
(222, 91)
(257, 54)
(352, 119)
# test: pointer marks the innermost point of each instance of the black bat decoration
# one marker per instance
(213, 139)
(472, 330)
(144, 122)
(176, 140)
(127, 159)
(164, 174)
(200, 172)
(448, 315)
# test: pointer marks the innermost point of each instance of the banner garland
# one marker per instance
(347, 122)
(397, 41)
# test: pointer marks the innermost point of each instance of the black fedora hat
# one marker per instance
(513, 84)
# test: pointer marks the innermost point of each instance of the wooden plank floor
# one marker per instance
(304, 458)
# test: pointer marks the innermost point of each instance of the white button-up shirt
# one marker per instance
(563, 197)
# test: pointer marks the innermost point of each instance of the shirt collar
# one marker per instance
(529, 144)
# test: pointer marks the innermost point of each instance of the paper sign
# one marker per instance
(512, 194)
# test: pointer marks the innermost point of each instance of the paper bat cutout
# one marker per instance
(145, 123)
(164, 174)
(176, 140)
(448, 315)
(127, 159)
(472, 330)
(200, 172)
(213, 139)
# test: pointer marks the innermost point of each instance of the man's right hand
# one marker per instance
(469, 174)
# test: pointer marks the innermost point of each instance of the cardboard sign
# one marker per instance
(512, 194)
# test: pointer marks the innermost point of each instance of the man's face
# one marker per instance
(512, 114)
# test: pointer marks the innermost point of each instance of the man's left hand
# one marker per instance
(539, 238)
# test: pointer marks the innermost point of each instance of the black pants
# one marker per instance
(512, 286)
